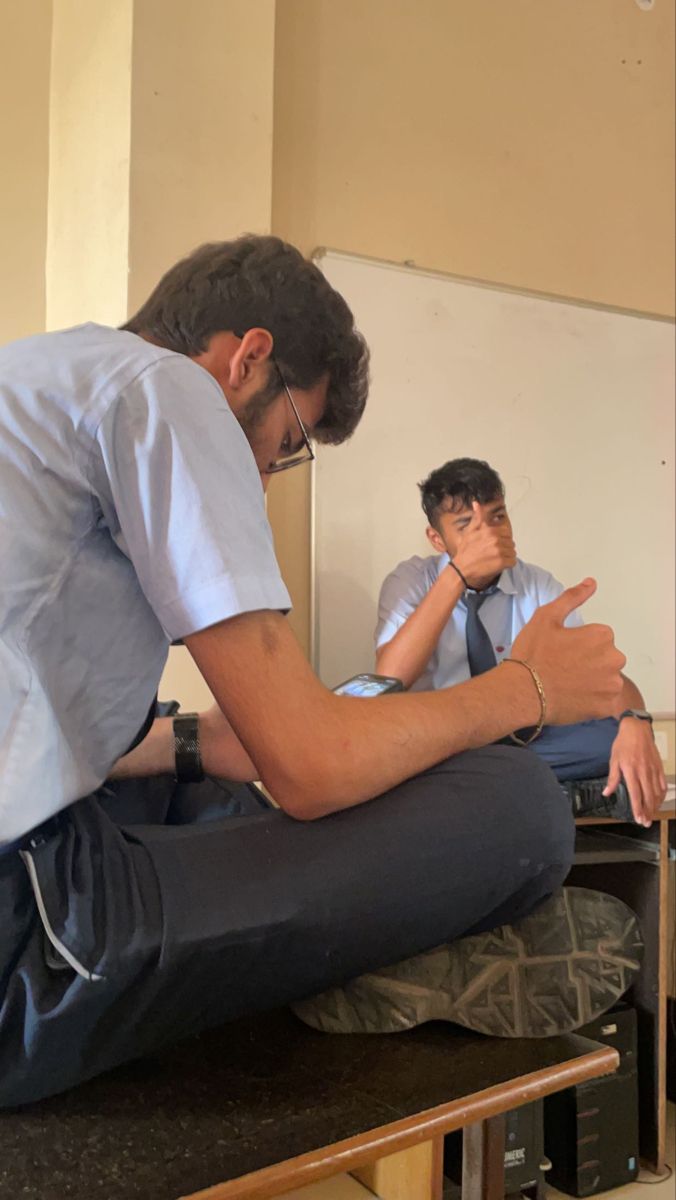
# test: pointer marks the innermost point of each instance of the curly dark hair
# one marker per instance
(264, 282)
(459, 481)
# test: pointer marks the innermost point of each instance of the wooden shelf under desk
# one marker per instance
(596, 846)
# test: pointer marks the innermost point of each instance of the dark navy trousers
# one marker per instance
(144, 914)
(577, 751)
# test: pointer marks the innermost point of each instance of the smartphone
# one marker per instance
(368, 685)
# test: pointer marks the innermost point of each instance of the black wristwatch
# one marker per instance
(639, 713)
(187, 755)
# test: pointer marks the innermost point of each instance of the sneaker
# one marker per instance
(587, 799)
(562, 966)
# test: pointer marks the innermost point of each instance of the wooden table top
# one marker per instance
(265, 1104)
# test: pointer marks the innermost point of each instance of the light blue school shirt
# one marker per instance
(131, 515)
(520, 590)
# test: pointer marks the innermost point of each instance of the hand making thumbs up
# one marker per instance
(580, 668)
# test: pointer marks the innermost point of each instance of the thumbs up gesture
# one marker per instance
(580, 668)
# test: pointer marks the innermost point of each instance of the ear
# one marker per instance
(435, 539)
(252, 354)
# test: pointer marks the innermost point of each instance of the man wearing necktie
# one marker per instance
(455, 615)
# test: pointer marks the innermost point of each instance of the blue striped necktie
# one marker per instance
(480, 653)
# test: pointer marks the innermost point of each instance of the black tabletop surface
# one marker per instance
(255, 1092)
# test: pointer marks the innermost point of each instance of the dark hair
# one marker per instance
(262, 281)
(461, 481)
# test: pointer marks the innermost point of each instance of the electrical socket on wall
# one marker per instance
(662, 743)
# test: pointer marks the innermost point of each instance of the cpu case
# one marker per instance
(591, 1131)
(524, 1151)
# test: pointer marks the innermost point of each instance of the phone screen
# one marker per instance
(368, 685)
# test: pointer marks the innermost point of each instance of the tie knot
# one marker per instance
(474, 600)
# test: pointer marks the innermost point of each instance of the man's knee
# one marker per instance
(536, 809)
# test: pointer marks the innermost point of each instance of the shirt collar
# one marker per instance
(506, 582)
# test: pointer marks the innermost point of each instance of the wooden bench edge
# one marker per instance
(384, 1140)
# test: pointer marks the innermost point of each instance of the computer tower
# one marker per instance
(591, 1131)
(524, 1150)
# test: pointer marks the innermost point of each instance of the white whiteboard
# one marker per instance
(572, 405)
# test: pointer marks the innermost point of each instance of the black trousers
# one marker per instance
(117, 936)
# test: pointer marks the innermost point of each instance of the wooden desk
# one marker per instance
(632, 863)
(265, 1105)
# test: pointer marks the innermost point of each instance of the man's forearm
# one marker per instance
(408, 653)
(630, 697)
(336, 766)
(348, 766)
(222, 754)
(317, 752)
(153, 756)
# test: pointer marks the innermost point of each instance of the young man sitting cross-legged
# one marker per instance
(455, 614)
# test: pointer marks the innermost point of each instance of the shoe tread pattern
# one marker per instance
(558, 969)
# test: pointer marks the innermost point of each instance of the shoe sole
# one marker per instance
(555, 970)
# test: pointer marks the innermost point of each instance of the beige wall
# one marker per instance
(89, 139)
(24, 131)
(201, 157)
(523, 143)
(201, 129)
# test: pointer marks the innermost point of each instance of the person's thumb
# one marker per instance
(571, 599)
(477, 517)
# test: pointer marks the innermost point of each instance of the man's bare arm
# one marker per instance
(317, 753)
(223, 755)
(630, 697)
(410, 650)
(635, 758)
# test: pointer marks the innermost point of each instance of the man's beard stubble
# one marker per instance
(254, 410)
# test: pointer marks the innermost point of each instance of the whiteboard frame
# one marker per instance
(410, 266)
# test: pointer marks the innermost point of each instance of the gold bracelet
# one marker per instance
(543, 702)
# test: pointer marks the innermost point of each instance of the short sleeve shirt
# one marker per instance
(519, 591)
(131, 515)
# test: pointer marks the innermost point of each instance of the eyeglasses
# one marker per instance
(306, 454)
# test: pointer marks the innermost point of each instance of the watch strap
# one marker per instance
(188, 760)
(639, 713)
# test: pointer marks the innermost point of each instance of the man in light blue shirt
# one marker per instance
(133, 465)
(113, 497)
(433, 610)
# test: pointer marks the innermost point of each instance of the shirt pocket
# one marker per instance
(502, 650)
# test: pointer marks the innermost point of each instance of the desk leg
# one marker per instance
(662, 994)
(413, 1174)
(483, 1160)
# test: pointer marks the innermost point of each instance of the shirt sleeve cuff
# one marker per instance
(219, 600)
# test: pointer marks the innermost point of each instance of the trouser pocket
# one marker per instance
(96, 894)
(57, 954)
